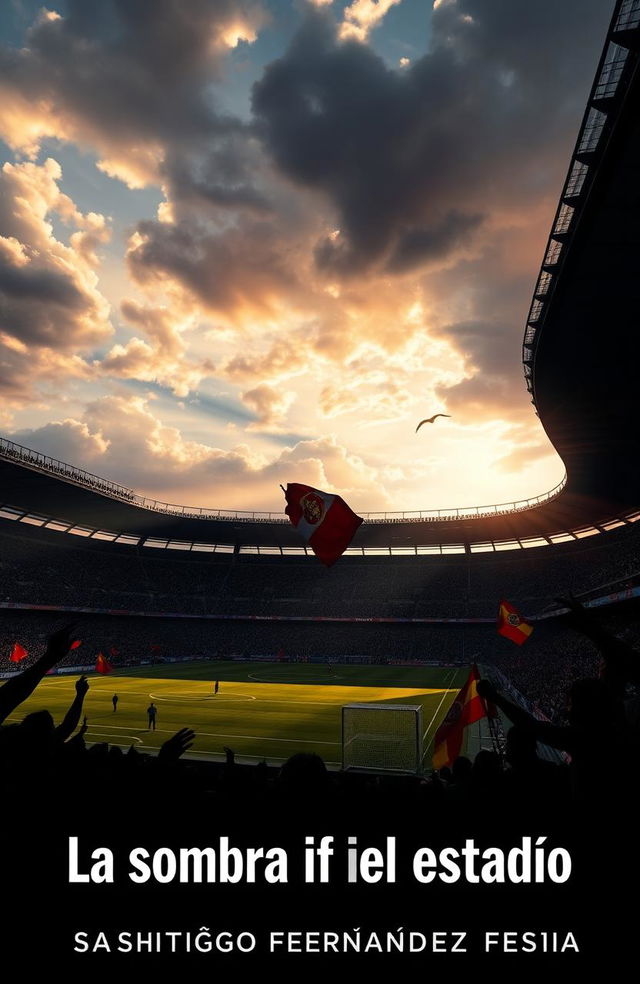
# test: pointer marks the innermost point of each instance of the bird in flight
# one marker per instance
(430, 420)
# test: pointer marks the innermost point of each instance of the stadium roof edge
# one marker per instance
(37, 461)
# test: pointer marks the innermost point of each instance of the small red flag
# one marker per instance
(324, 520)
(512, 625)
(75, 644)
(103, 665)
(18, 653)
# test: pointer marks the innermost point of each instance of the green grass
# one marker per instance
(263, 710)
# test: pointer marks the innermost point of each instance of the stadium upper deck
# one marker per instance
(578, 360)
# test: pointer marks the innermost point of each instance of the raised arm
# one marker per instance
(71, 718)
(18, 688)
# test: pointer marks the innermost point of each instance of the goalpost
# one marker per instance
(382, 737)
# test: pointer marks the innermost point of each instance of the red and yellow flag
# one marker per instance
(512, 625)
(467, 708)
(103, 665)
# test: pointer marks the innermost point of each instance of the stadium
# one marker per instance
(191, 687)
(178, 597)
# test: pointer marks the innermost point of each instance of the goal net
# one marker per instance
(382, 737)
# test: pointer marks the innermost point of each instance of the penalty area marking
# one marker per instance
(223, 734)
(233, 697)
(109, 734)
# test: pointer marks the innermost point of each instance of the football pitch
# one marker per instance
(262, 710)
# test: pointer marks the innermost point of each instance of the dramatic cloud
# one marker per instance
(128, 80)
(162, 359)
(50, 305)
(120, 438)
(404, 157)
(285, 357)
(347, 239)
(242, 270)
(269, 405)
(361, 16)
(48, 290)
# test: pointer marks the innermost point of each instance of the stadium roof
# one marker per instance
(580, 367)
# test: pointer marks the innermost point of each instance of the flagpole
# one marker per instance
(492, 731)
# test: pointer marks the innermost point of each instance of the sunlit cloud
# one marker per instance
(346, 242)
(362, 16)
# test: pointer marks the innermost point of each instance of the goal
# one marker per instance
(382, 737)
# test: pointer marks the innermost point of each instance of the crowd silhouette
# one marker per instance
(597, 729)
(55, 784)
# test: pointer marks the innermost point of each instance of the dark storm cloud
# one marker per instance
(245, 265)
(473, 124)
(48, 293)
(18, 284)
(132, 78)
(419, 245)
(222, 174)
(497, 286)
(107, 63)
(492, 351)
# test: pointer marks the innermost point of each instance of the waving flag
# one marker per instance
(512, 625)
(18, 653)
(103, 665)
(467, 708)
(324, 520)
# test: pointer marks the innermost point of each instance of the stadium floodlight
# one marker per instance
(382, 737)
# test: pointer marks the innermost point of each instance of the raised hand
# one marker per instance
(59, 642)
(177, 745)
(19, 687)
(71, 718)
(82, 685)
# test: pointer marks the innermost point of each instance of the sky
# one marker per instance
(252, 242)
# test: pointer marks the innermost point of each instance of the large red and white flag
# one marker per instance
(324, 520)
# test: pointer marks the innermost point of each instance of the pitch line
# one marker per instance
(415, 692)
(263, 700)
(193, 696)
(117, 744)
(109, 734)
(435, 713)
(223, 734)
